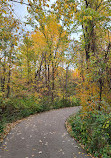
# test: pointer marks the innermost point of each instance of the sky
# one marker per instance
(20, 12)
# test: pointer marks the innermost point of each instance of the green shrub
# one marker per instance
(1, 127)
(15, 108)
(94, 131)
(62, 103)
(46, 103)
(75, 101)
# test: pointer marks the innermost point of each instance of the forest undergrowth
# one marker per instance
(48, 67)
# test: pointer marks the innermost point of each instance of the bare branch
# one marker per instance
(20, 2)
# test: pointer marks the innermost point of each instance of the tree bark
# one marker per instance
(48, 80)
(45, 70)
(8, 85)
(100, 92)
(66, 83)
(9, 74)
(53, 77)
(40, 67)
(3, 79)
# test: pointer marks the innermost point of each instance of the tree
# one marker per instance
(8, 39)
(52, 42)
(93, 17)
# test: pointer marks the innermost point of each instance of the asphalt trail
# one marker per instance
(42, 136)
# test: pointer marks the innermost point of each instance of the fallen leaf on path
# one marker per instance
(46, 143)
(40, 152)
(33, 149)
(40, 141)
(32, 155)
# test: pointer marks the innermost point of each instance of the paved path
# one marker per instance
(42, 136)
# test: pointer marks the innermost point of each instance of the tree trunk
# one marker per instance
(9, 74)
(40, 67)
(45, 70)
(53, 73)
(8, 85)
(100, 92)
(3, 79)
(28, 71)
(48, 80)
(66, 80)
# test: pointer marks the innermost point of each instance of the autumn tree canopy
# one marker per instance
(43, 61)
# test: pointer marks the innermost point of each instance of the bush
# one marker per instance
(1, 127)
(15, 108)
(75, 101)
(62, 103)
(94, 131)
(46, 103)
(12, 109)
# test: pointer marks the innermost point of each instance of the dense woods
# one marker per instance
(45, 68)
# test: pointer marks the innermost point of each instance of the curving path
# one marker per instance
(42, 136)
